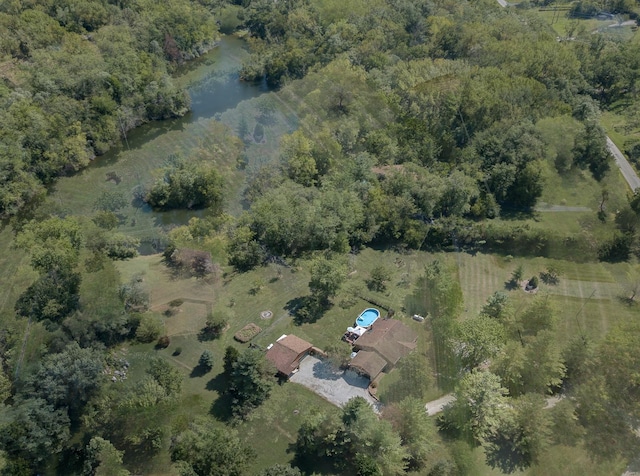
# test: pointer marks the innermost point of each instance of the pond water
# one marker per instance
(222, 107)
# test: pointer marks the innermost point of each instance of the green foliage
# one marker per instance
(280, 470)
(497, 305)
(339, 353)
(231, 355)
(206, 360)
(532, 366)
(134, 295)
(68, 379)
(327, 277)
(52, 297)
(53, 243)
(477, 340)
(378, 279)
(103, 459)
(149, 328)
(215, 325)
(110, 201)
(359, 443)
(206, 449)
(417, 431)
(250, 382)
(168, 377)
(533, 282)
(244, 252)
(476, 413)
(188, 185)
(522, 437)
(36, 431)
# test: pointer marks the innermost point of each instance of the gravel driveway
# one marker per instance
(336, 386)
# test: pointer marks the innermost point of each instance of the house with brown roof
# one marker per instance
(287, 352)
(382, 346)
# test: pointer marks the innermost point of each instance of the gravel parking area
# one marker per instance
(336, 386)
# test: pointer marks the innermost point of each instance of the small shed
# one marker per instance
(287, 352)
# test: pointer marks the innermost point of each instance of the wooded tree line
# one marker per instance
(77, 75)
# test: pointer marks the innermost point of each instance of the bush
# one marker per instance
(215, 325)
(177, 352)
(163, 342)
(149, 328)
(533, 283)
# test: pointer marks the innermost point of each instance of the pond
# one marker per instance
(222, 107)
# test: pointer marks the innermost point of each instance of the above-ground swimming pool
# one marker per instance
(367, 317)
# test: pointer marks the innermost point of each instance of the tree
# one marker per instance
(418, 433)
(280, 470)
(103, 459)
(231, 355)
(206, 360)
(590, 149)
(522, 436)
(535, 365)
(250, 382)
(206, 449)
(69, 378)
(188, 185)
(327, 277)
(517, 274)
(110, 201)
(244, 251)
(53, 243)
(378, 279)
(477, 340)
(476, 412)
(36, 431)
(149, 328)
(497, 305)
(216, 323)
(167, 376)
(53, 296)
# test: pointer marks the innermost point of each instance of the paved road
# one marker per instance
(623, 164)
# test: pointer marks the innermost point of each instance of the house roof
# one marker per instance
(390, 338)
(370, 363)
(285, 353)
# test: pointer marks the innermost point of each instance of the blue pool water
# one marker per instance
(367, 317)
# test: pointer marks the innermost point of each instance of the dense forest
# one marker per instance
(425, 130)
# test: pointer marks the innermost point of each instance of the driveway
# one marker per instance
(337, 386)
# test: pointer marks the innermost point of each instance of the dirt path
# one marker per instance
(436, 406)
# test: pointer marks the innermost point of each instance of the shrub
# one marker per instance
(378, 279)
(163, 342)
(149, 328)
(178, 351)
(533, 282)
(216, 323)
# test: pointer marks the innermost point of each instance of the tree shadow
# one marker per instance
(221, 407)
(511, 285)
(199, 371)
(325, 370)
